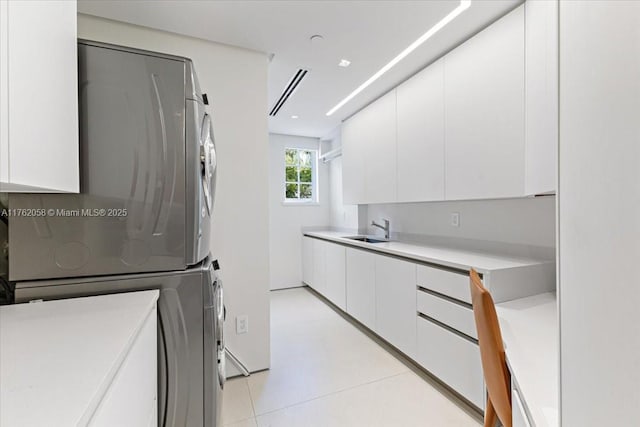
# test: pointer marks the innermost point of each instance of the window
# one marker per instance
(300, 175)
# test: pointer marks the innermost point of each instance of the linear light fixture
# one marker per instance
(464, 5)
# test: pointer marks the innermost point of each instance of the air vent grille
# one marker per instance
(289, 90)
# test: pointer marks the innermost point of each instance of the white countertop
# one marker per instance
(450, 257)
(58, 358)
(529, 329)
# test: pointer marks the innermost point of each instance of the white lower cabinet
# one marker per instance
(335, 285)
(452, 358)
(396, 303)
(132, 396)
(307, 260)
(449, 283)
(319, 268)
(457, 315)
(361, 286)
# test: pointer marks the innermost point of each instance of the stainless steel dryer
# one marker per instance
(147, 175)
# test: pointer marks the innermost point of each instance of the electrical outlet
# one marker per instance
(455, 219)
(242, 324)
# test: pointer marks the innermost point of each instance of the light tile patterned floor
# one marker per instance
(325, 372)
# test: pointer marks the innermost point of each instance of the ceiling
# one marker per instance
(367, 33)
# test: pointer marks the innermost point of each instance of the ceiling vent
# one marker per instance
(289, 90)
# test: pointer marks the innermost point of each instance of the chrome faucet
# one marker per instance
(385, 227)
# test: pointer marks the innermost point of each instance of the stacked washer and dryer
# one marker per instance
(141, 221)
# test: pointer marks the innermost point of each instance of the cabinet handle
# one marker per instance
(448, 328)
(445, 297)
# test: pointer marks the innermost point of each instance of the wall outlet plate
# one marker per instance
(455, 219)
(242, 324)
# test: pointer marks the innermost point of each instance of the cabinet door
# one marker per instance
(541, 94)
(132, 394)
(307, 260)
(353, 162)
(319, 266)
(484, 113)
(336, 291)
(40, 73)
(455, 360)
(396, 303)
(361, 287)
(380, 149)
(420, 145)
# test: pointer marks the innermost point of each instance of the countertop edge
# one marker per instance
(407, 255)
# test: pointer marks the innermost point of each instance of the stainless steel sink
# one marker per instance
(366, 239)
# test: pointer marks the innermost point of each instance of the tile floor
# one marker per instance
(326, 372)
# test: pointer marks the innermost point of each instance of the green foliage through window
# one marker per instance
(299, 165)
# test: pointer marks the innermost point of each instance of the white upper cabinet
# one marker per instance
(380, 149)
(353, 161)
(541, 94)
(484, 113)
(420, 145)
(480, 123)
(369, 153)
(39, 149)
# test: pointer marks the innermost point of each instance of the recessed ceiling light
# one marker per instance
(294, 117)
(464, 5)
(344, 63)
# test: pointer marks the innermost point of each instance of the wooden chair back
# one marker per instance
(494, 365)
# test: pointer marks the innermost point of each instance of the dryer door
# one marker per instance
(208, 163)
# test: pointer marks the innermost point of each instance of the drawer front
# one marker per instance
(454, 285)
(451, 358)
(450, 313)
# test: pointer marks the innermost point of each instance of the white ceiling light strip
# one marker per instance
(464, 5)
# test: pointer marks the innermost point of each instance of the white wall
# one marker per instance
(599, 213)
(236, 82)
(287, 221)
(528, 221)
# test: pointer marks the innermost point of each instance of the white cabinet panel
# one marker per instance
(361, 287)
(449, 283)
(369, 153)
(319, 270)
(451, 358)
(134, 388)
(380, 149)
(396, 303)
(39, 148)
(450, 313)
(336, 291)
(353, 161)
(4, 97)
(484, 113)
(420, 145)
(541, 94)
(307, 260)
